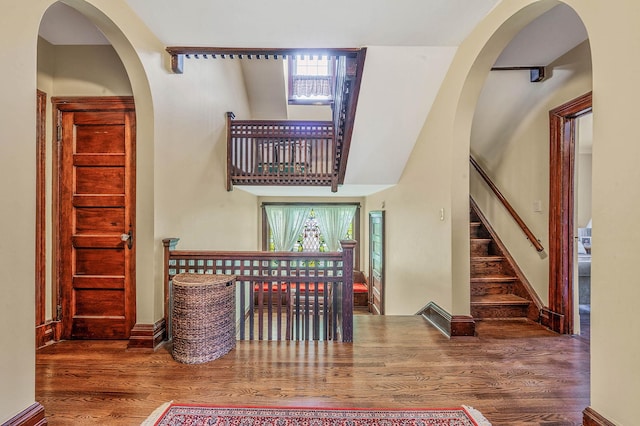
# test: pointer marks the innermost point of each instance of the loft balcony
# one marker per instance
(286, 152)
(281, 153)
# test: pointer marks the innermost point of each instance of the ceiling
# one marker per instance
(416, 35)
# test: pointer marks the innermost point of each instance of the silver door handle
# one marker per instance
(128, 237)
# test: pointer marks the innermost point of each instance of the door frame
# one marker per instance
(381, 214)
(75, 104)
(562, 126)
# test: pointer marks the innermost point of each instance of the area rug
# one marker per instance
(171, 414)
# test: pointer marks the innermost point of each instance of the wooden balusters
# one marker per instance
(279, 152)
(280, 295)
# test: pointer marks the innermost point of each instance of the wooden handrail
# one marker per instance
(298, 278)
(536, 243)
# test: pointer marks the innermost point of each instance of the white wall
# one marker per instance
(584, 169)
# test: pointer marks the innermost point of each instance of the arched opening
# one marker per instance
(84, 65)
(509, 138)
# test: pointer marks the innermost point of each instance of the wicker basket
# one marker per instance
(203, 317)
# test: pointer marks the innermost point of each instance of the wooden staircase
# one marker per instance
(497, 287)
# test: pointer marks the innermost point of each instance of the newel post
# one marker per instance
(348, 247)
(169, 245)
(230, 116)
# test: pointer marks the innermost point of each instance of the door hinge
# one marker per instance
(59, 313)
(59, 133)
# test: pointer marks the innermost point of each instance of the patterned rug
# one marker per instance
(171, 414)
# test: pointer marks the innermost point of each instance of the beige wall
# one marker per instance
(510, 139)
(427, 258)
(423, 189)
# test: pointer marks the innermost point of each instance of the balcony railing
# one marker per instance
(280, 153)
(279, 295)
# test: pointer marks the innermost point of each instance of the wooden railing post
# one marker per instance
(348, 247)
(169, 245)
(230, 116)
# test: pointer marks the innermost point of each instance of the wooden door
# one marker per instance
(376, 262)
(95, 257)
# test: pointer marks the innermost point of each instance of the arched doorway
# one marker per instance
(509, 139)
(103, 68)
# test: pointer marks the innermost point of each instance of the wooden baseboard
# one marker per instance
(147, 337)
(47, 333)
(450, 326)
(591, 418)
(30, 416)
(462, 326)
(552, 320)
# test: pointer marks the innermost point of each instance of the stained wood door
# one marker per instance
(96, 211)
(376, 261)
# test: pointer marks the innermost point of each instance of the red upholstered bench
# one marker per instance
(360, 290)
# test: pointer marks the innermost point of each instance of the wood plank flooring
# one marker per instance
(515, 373)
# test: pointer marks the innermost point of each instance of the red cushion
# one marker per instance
(265, 287)
(360, 288)
(357, 287)
(284, 286)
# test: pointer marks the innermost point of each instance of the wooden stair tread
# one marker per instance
(486, 258)
(499, 299)
(494, 278)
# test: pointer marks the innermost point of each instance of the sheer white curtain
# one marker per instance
(333, 222)
(286, 224)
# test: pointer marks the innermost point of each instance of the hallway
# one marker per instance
(521, 374)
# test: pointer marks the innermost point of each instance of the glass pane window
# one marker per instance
(311, 79)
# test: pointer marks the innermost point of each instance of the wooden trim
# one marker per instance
(169, 244)
(47, 333)
(524, 287)
(41, 164)
(592, 418)
(532, 238)
(449, 325)
(87, 103)
(347, 289)
(230, 116)
(552, 320)
(463, 326)
(30, 416)
(351, 114)
(561, 208)
(147, 336)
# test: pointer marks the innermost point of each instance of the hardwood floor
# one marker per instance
(515, 373)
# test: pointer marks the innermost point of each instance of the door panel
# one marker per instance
(376, 261)
(96, 181)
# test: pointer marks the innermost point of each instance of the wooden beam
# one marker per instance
(536, 73)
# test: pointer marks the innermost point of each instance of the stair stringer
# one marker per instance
(522, 287)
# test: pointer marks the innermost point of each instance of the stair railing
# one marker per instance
(272, 152)
(530, 236)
